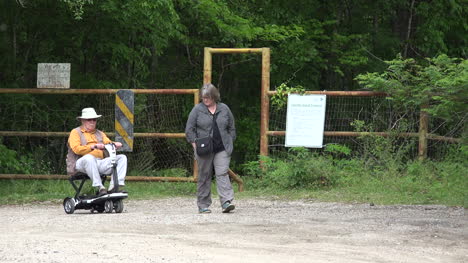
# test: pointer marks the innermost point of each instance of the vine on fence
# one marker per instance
(280, 99)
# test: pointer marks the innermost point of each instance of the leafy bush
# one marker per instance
(13, 162)
(439, 84)
(9, 162)
(300, 169)
(383, 154)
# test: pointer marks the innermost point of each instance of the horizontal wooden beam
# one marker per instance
(348, 134)
(384, 134)
(66, 177)
(341, 93)
(65, 134)
(234, 50)
(96, 91)
(269, 133)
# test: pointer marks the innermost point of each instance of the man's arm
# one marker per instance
(106, 140)
(75, 144)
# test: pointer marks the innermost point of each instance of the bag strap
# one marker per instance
(214, 120)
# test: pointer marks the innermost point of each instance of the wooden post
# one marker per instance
(207, 61)
(423, 132)
(265, 102)
(207, 66)
(195, 170)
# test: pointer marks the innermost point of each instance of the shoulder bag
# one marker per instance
(204, 145)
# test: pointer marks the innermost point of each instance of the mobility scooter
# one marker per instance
(106, 203)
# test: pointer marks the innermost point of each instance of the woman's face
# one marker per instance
(208, 101)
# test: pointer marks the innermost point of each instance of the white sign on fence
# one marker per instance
(305, 120)
(53, 75)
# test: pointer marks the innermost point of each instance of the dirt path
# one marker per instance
(170, 230)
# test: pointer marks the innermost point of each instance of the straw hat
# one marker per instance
(88, 113)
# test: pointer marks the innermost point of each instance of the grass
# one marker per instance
(382, 179)
(369, 190)
(362, 189)
(26, 191)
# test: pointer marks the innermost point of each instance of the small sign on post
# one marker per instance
(124, 119)
(53, 75)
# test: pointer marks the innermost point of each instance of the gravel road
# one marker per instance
(171, 230)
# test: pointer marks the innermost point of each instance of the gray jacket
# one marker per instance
(200, 122)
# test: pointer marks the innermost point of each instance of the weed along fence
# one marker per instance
(160, 151)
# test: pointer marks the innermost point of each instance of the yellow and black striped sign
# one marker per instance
(124, 101)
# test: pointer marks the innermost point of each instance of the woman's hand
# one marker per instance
(118, 144)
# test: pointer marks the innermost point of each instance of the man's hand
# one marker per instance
(99, 146)
(118, 144)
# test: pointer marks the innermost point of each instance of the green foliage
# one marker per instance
(300, 170)
(76, 6)
(458, 153)
(12, 162)
(439, 84)
(26, 191)
(447, 33)
(321, 45)
(337, 150)
(172, 172)
(415, 182)
(280, 99)
(383, 155)
(9, 162)
(248, 146)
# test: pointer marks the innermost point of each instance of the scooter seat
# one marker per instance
(83, 176)
(79, 176)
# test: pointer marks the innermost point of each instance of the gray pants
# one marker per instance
(94, 167)
(218, 162)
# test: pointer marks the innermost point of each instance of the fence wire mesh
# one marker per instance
(376, 114)
(154, 113)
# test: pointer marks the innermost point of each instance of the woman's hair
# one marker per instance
(210, 91)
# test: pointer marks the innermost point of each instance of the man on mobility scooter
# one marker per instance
(92, 154)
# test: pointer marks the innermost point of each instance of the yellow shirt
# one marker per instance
(75, 143)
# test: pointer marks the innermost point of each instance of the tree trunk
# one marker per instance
(408, 31)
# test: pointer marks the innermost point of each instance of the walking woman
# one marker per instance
(211, 124)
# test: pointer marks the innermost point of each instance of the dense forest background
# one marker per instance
(139, 44)
(159, 44)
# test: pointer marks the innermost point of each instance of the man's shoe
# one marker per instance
(102, 191)
(121, 189)
(228, 207)
(204, 211)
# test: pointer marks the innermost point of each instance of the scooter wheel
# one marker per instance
(118, 206)
(108, 206)
(69, 205)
